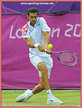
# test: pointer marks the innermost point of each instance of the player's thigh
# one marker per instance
(35, 60)
(48, 61)
(49, 64)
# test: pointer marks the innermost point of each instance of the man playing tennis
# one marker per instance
(36, 36)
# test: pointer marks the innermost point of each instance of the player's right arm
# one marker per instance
(32, 45)
(28, 40)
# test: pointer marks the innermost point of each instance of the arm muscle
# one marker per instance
(29, 42)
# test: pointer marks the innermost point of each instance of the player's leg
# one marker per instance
(44, 75)
(51, 98)
(28, 93)
(44, 81)
(38, 88)
(44, 84)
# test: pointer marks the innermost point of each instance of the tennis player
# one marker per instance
(36, 36)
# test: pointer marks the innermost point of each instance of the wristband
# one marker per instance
(36, 45)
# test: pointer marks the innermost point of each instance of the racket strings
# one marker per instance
(68, 58)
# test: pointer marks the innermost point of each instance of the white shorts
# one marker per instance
(46, 59)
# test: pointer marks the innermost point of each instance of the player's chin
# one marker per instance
(34, 22)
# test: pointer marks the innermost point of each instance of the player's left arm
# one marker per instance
(45, 30)
(47, 39)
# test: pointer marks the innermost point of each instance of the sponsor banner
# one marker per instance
(19, 73)
(42, 6)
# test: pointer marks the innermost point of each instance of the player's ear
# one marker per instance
(27, 16)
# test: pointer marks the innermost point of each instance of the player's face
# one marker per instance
(33, 18)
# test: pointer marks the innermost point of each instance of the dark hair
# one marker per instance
(32, 10)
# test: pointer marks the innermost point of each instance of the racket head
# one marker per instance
(68, 58)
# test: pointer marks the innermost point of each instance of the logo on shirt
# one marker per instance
(24, 29)
(30, 29)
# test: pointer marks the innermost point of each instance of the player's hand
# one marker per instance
(48, 50)
(40, 47)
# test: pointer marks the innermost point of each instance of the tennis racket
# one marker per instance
(67, 58)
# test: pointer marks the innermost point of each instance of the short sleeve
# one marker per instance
(44, 25)
(24, 31)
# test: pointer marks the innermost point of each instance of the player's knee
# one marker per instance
(42, 67)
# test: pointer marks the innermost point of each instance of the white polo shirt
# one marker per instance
(36, 34)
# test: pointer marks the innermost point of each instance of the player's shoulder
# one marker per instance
(41, 19)
(25, 25)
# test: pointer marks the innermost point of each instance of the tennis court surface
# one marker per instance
(69, 97)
